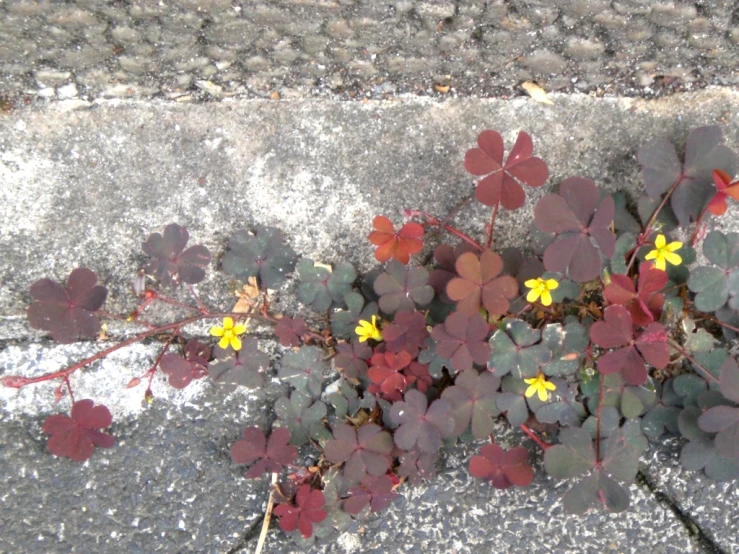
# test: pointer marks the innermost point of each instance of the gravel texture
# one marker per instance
(84, 183)
(356, 48)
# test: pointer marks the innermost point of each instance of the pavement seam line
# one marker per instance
(691, 526)
(252, 532)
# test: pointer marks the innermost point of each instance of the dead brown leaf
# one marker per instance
(536, 92)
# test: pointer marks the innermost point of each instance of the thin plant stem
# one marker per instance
(197, 298)
(69, 389)
(431, 220)
(153, 369)
(706, 374)
(714, 320)
(534, 437)
(694, 236)
(180, 304)
(648, 227)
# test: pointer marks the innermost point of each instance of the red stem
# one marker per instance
(715, 320)
(694, 236)
(153, 369)
(431, 220)
(179, 304)
(202, 307)
(69, 389)
(540, 443)
(492, 225)
(648, 227)
(706, 374)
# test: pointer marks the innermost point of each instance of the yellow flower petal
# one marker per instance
(216, 332)
(236, 343)
(240, 329)
(531, 391)
(223, 343)
(674, 259)
(552, 284)
(543, 394)
(660, 241)
(550, 386)
(660, 262)
(546, 298)
(228, 323)
(532, 283)
(651, 255)
(674, 246)
(532, 295)
(531, 381)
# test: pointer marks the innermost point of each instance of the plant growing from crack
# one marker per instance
(599, 340)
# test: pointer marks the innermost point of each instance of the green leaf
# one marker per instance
(722, 249)
(609, 421)
(321, 288)
(304, 370)
(621, 459)
(712, 362)
(302, 417)
(624, 244)
(698, 340)
(573, 457)
(663, 415)
(566, 345)
(688, 386)
(435, 362)
(711, 287)
(344, 322)
(263, 254)
(700, 453)
(514, 351)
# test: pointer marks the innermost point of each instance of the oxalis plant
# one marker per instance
(605, 336)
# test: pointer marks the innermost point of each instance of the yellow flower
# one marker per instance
(664, 252)
(367, 330)
(229, 333)
(541, 287)
(539, 384)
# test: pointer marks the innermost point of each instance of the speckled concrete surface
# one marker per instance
(84, 183)
(190, 49)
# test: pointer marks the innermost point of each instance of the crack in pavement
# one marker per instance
(249, 534)
(693, 529)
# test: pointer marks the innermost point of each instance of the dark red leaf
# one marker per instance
(171, 265)
(270, 456)
(364, 450)
(68, 313)
(617, 330)
(503, 469)
(501, 185)
(307, 511)
(377, 492)
(385, 371)
(462, 338)
(576, 216)
(352, 358)
(406, 333)
(420, 423)
(290, 330)
(76, 437)
(182, 370)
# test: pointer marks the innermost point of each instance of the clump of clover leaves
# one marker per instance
(602, 339)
